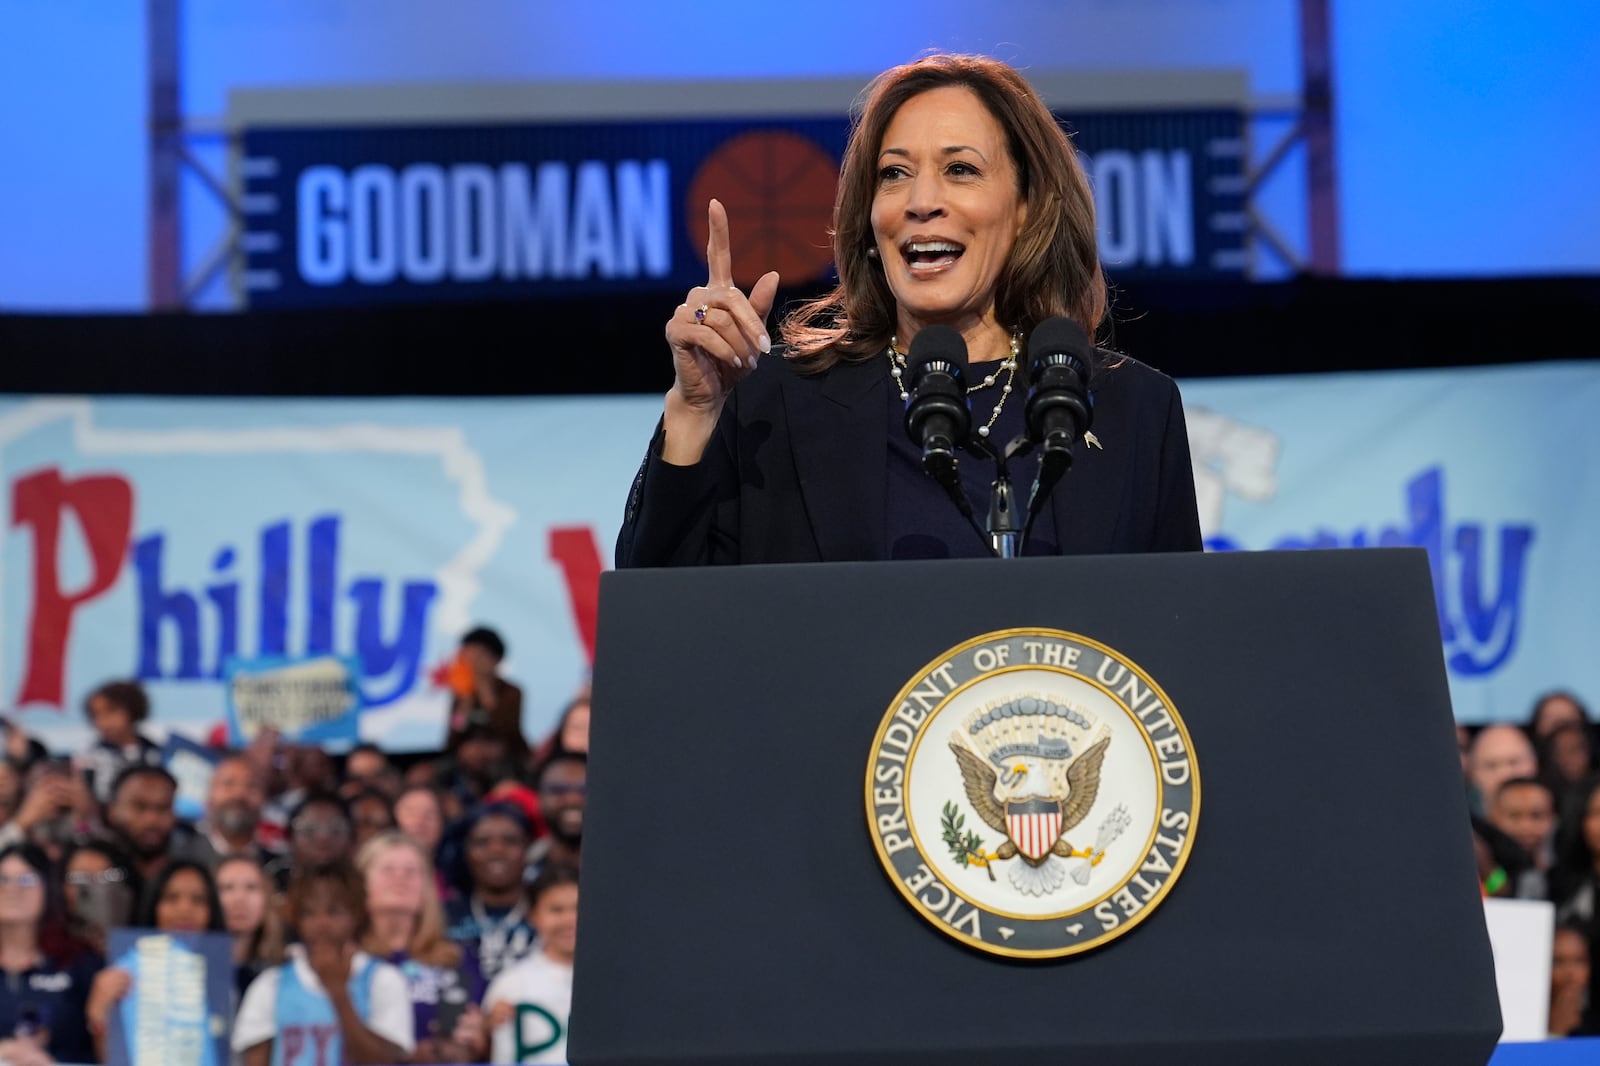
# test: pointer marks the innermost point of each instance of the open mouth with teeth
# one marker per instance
(931, 255)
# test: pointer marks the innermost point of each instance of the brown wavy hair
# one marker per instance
(1054, 266)
(267, 942)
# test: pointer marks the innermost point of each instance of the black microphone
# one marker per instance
(1059, 410)
(938, 417)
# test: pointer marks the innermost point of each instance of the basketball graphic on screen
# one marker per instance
(778, 189)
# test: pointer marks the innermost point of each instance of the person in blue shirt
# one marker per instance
(330, 1002)
(41, 999)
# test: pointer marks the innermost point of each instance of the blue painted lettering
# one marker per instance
(226, 598)
(323, 561)
(1478, 614)
(189, 623)
(158, 608)
(274, 632)
(403, 655)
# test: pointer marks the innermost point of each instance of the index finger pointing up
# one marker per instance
(719, 257)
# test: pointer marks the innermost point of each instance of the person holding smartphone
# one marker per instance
(407, 930)
(101, 888)
(55, 807)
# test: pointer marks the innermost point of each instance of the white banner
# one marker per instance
(172, 540)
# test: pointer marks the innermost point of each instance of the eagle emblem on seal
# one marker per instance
(1030, 767)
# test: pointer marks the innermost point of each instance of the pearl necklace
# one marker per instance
(1008, 365)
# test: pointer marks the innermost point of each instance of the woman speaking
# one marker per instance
(960, 204)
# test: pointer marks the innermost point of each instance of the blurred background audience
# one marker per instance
(468, 862)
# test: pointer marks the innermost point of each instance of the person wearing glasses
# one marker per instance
(43, 1002)
(562, 785)
(320, 831)
(101, 889)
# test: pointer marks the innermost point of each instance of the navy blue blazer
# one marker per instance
(797, 468)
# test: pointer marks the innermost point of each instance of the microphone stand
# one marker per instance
(1005, 538)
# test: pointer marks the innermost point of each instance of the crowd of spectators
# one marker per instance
(378, 912)
(427, 912)
(1534, 794)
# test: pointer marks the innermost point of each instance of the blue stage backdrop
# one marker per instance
(311, 564)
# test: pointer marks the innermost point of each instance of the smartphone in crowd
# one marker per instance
(454, 998)
(31, 1027)
(105, 904)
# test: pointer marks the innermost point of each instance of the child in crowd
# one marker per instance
(330, 1002)
(115, 711)
(529, 1004)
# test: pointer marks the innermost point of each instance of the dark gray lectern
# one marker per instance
(734, 910)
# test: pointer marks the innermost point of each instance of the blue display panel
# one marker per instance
(353, 215)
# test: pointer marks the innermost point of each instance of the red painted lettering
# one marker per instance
(103, 504)
(294, 1041)
(323, 1035)
(573, 548)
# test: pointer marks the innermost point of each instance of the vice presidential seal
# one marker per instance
(1033, 793)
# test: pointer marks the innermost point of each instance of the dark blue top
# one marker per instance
(52, 998)
(503, 936)
(923, 522)
(799, 470)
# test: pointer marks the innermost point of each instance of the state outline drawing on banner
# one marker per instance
(458, 581)
(1229, 457)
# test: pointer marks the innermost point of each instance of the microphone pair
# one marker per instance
(1057, 413)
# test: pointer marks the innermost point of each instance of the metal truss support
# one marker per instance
(1316, 77)
(171, 139)
(1311, 126)
(165, 162)
(171, 156)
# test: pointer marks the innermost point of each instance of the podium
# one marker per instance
(734, 909)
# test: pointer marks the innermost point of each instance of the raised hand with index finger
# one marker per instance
(716, 335)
